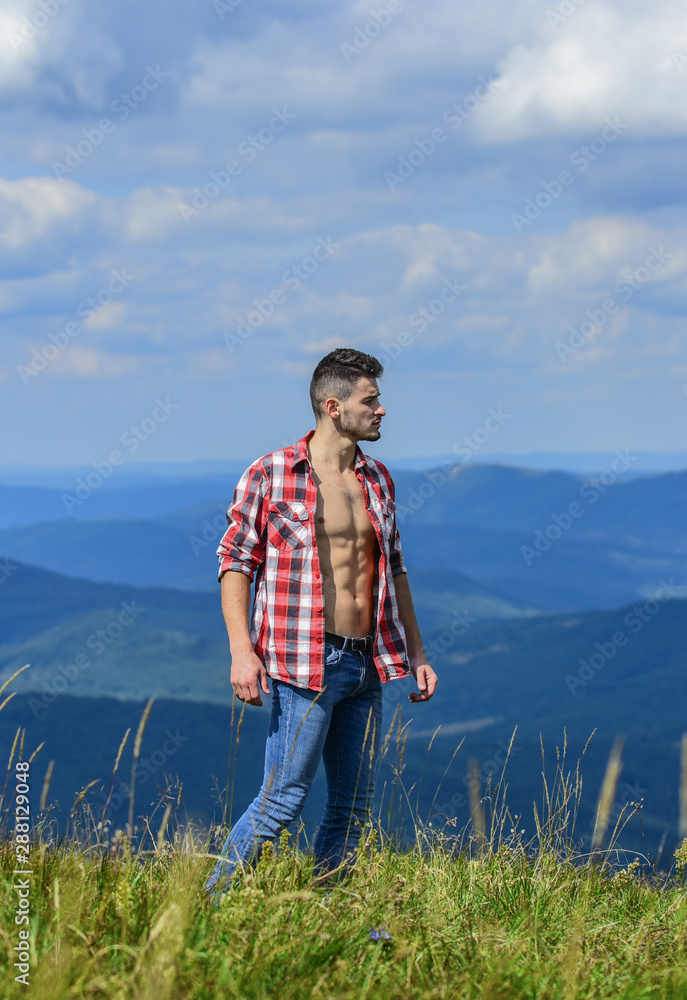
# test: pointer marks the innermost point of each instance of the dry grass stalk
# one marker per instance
(607, 794)
(476, 808)
(137, 751)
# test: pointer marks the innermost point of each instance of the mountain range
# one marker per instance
(550, 604)
(541, 540)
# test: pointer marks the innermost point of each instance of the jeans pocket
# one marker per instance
(332, 654)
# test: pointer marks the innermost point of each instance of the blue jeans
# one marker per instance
(340, 725)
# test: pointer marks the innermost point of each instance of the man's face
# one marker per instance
(361, 413)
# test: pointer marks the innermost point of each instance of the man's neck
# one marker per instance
(333, 450)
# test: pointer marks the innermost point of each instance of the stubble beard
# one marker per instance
(361, 431)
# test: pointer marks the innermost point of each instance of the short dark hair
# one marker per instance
(337, 375)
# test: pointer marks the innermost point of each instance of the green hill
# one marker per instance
(116, 641)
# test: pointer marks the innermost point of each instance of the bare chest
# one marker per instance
(340, 513)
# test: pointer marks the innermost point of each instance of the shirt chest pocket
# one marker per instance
(387, 512)
(288, 524)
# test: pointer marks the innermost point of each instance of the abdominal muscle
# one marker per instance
(348, 589)
(347, 546)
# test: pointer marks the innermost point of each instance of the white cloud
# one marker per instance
(595, 253)
(605, 59)
(323, 176)
(54, 54)
(91, 363)
(427, 57)
(33, 208)
(111, 316)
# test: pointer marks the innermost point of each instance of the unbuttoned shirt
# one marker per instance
(271, 536)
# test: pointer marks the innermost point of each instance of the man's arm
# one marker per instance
(240, 552)
(248, 674)
(420, 668)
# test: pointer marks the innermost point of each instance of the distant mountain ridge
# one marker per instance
(510, 529)
(25, 505)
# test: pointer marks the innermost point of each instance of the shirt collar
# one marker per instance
(301, 452)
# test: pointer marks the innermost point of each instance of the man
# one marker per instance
(332, 618)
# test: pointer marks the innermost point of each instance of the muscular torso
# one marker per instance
(347, 548)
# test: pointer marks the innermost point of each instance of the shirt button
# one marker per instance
(317, 576)
(319, 640)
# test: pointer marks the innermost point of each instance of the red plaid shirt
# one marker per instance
(271, 533)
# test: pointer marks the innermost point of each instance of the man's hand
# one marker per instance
(426, 681)
(248, 676)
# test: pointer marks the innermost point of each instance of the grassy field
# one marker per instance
(480, 912)
(429, 923)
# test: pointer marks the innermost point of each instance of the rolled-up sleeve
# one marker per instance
(243, 544)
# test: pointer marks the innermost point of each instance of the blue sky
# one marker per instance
(199, 200)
